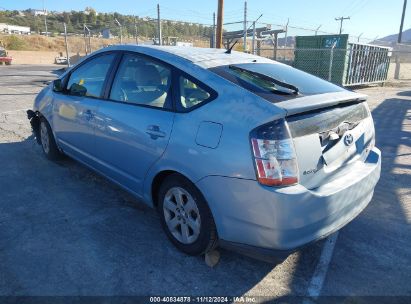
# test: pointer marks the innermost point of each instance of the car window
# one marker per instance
(248, 76)
(191, 93)
(92, 74)
(307, 84)
(142, 81)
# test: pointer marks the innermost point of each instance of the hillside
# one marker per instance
(406, 37)
(75, 21)
(76, 44)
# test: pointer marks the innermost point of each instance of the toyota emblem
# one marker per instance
(348, 139)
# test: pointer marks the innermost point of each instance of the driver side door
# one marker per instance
(74, 109)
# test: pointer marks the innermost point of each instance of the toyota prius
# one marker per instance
(232, 149)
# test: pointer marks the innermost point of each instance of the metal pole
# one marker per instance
(316, 31)
(253, 42)
(286, 32)
(245, 27)
(219, 39)
(275, 43)
(397, 67)
(65, 40)
(121, 31)
(331, 61)
(160, 38)
(45, 19)
(85, 39)
(402, 21)
(135, 30)
(358, 40)
(214, 32)
(89, 41)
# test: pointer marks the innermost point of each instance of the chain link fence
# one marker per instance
(360, 64)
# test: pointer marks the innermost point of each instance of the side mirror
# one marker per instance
(57, 85)
(77, 90)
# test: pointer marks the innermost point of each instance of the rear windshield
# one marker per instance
(255, 77)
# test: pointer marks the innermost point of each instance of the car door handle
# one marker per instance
(88, 114)
(155, 132)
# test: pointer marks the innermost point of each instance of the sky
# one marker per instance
(373, 18)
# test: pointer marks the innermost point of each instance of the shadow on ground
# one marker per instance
(66, 231)
(377, 242)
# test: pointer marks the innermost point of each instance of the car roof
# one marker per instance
(203, 57)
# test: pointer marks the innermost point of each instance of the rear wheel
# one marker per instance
(48, 143)
(185, 216)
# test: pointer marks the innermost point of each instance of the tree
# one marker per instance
(92, 17)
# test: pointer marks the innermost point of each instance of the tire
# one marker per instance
(48, 144)
(185, 216)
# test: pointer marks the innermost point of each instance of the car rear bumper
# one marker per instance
(279, 220)
(6, 59)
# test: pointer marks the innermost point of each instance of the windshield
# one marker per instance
(274, 82)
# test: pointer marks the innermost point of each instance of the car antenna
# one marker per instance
(231, 47)
(228, 51)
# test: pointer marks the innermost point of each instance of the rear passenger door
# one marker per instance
(135, 121)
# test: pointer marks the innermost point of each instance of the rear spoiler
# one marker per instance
(315, 102)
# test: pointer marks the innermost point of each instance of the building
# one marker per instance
(37, 12)
(14, 29)
(106, 33)
(87, 11)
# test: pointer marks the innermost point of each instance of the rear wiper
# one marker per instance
(291, 87)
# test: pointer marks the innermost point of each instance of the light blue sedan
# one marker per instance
(232, 149)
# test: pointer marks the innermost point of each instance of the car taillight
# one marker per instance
(274, 154)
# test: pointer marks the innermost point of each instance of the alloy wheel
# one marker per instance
(182, 215)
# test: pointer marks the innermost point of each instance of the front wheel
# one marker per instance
(48, 143)
(185, 216)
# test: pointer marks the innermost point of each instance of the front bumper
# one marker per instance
(249, 215)
(35, 124)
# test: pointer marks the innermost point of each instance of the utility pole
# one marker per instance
(160, 38)
(121, 30)
(341, 19)
(65, 40)
(213, 45)
(402, 21)
(220, 11)
(245, 27)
